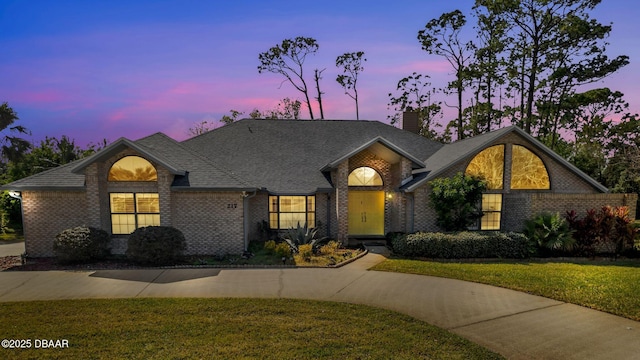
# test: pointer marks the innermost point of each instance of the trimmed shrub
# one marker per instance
(156, 245)
(390, 237)
(463, 245)
(81, 244)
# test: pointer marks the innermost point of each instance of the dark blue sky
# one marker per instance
(105, 69)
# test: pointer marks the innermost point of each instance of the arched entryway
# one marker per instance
(366, 202)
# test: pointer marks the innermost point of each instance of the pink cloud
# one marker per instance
(117, 116)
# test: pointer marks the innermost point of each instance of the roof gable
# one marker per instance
(450, 154)
(379, 140)
(122, 144)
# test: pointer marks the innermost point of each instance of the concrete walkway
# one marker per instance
(514, 324)
(10, 248)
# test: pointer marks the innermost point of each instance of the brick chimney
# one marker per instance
(410, 122)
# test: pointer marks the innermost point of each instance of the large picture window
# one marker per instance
(287, 212)
(130, 211)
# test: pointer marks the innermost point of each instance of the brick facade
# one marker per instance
(47, 213)
(568, 192)
(220, 222)
(212, 222)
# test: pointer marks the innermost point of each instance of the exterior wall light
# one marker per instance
(15, 194)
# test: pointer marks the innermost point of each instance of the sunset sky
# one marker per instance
(105, 69)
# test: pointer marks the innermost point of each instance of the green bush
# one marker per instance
(455, 201)
(390, 237)
(330, 248)
(462, 245)
(550, 232)
(81, 244)
(281, 249)
(156, 245)
(270, 246)
(306, 251)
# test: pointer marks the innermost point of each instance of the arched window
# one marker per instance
(528, 170)
(132, 168)
(364, 176)
(488, 165)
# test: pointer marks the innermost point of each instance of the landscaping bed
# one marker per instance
(258, 257)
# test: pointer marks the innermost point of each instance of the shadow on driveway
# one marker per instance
(156, 276)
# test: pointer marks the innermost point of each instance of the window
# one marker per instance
(287, 212)
(132, 168)
(491, 209)
(130, 211)
(528, 170)
(364, 176)
(488, 165)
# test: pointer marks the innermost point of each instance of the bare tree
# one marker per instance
(351, 64)
(287, 59)
(317, 77)
(441, 37)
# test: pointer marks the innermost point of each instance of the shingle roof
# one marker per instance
(287, 156)
(281, 156)
(192, 171)
(201, 173)
(452, 153)
(59, 178)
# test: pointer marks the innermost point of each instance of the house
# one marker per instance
(351, 179)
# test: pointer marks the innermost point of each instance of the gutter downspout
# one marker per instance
(245, 214)
(328, 234)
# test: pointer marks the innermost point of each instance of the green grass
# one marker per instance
(226, 329)
(613, 287)
(11, 237)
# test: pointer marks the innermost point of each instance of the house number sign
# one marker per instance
(232, 206)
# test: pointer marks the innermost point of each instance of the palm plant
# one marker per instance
(550, 231)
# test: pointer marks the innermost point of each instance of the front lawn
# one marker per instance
(608, 286)
(225, 329)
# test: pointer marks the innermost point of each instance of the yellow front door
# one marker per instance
(366, 213)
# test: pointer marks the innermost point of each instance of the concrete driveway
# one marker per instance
(514, 324)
